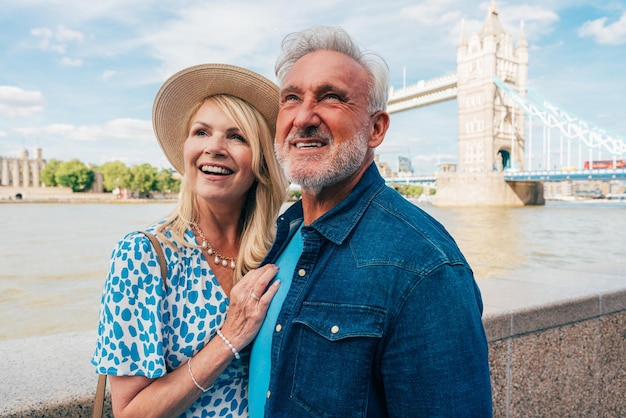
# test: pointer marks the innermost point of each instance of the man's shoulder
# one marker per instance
(400, 227)
(392, 206)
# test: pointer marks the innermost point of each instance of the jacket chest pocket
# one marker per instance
(335, 351)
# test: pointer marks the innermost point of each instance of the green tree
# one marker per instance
(144, 178)
(48, 174)
(166, 183)
(75, 175)
(409, 190)
(115, 174)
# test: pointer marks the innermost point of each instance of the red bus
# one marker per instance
(605, 164)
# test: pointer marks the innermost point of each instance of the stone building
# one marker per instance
(491, 129)
(383, 167)
(22, 171)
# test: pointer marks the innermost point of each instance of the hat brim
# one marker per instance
(185, 89)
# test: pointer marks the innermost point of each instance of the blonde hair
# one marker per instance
(264, 198)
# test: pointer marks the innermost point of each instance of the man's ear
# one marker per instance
(378, 128)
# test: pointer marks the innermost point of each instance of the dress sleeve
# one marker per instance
(130, 332)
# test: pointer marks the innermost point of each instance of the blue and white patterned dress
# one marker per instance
(144, 332)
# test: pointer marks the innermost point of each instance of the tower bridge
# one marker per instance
(496, 110)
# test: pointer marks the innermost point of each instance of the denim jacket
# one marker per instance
(383, 317)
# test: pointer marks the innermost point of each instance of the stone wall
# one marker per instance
(50, 194)
(557, 346)
(485, 189)
(557, 342)
(570, 370)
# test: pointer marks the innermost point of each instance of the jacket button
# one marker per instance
(268, 394)
(301, 272)
(278, 327)
(334, 329)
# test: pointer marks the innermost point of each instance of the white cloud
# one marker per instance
(108, 74)
(132, 130)
(526, 12)
(45, 44)
(129, 129)
(71, 62)
(605, 34)
(538, 20)
(15, 101)
(65, 34)
(433, 12)
(56, 40)
(238, 32)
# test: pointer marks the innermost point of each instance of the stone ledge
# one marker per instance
(519, 304)
(48, 376)
(52, 375)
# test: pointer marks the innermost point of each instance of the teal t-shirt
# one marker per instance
(260, 361)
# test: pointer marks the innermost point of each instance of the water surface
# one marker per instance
(55, 256)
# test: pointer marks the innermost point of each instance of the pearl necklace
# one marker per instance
(219, 258)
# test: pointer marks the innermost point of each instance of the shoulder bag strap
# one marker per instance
(157, 247)
(98, 403)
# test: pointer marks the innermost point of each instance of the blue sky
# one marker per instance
(78, 78)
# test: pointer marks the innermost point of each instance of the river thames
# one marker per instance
(55, 256)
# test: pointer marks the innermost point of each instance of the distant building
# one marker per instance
(447, 168)
(383, 168)
(22, 171)
(404, 165)
(405, 169)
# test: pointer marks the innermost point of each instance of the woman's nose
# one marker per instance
(215, 145)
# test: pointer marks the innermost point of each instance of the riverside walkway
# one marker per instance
(556, 344)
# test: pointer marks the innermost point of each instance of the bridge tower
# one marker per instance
(491, 130)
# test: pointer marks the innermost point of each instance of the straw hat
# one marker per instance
(182, 91)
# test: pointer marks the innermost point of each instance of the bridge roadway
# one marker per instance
(423, 93)
(546, 175)
(543, 175)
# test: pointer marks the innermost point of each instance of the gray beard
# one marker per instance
(347, 161)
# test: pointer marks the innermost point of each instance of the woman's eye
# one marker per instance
(238, 137)
(201, 132)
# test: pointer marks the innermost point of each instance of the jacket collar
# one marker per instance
(336, 224)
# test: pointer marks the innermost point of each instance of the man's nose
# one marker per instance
(307, 115)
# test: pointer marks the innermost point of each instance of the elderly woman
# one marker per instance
(178, 345)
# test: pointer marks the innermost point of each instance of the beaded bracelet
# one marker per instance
(232, 347)
(195, 382)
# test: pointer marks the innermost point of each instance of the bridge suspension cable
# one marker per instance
(570, 126)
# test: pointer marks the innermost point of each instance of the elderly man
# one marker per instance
(378, 313)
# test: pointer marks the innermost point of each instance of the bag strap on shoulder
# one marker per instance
(161, 257)
(98, 403)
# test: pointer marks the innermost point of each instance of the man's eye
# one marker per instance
(331, 96)
(290, 98)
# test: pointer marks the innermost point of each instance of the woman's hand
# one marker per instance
(249, 301)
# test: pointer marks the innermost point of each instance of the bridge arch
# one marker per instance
(503, 161)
